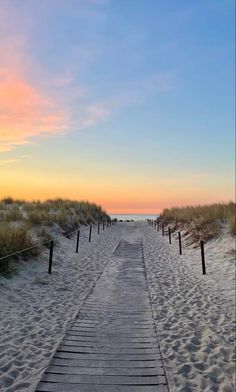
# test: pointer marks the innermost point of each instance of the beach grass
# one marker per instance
(25, 223)
(205, 221)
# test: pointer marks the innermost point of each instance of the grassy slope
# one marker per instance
(204, 221)
(23, 224)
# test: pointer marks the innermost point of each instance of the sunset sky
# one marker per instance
(126, 103)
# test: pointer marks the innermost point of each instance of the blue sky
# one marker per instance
(128, 94)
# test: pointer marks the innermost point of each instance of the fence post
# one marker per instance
(98, 227)
(77, 241)
(50, 257)
(157, 226)
(180, 245)
(163, 232)
(203, 258)
(169, 232)
(90, 233)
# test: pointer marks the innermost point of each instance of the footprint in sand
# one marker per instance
(185, 369)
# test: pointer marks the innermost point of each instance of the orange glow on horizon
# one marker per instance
(118, 200)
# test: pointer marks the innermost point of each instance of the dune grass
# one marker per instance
(21, 221)
(13, 239)
(204, 220)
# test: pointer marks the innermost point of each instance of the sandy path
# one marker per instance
(193, 319)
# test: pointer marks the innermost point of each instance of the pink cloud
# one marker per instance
(25, 112)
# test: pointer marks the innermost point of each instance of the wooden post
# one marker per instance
(180, 244)
(50, 257)
(169, 232)
(98, 227)
(107, 223)
(203, 258)
(163, 231)
(158, 229)
(103, 224)
(90, 233)
(77, 241)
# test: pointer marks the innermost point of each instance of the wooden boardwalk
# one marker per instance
(112, 345)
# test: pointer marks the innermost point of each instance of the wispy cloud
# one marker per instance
(10, 161)
(5, 162)
(26, 156)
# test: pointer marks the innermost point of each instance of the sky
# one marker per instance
(125, 103)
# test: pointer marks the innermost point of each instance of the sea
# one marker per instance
(135, 217)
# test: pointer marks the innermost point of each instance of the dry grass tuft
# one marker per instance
(13, 239)
(204, 221)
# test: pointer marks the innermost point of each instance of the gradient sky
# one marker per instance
(127, 103)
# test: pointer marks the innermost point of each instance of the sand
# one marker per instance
(193, 313)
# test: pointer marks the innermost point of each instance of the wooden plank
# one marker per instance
(106, 364)
(144, 317)
(99, 349)
(141, 371)
(104, 380)
(115, 326)
(73, 341)
(107, 357)
(107, 350)
(60, 387)
(122, 330)
(124, 335)
(118, 322)
(115, 340)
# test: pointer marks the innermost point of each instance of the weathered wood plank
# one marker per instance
(141, 371)
(117, 334)
(60, 387)
(106, 364)
(73, 347)
(128, 326)
(73, 341)
(114, 339)
(105, 380)
(107, 357)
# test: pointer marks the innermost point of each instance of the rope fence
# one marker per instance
(51, 242)
(156, 225)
